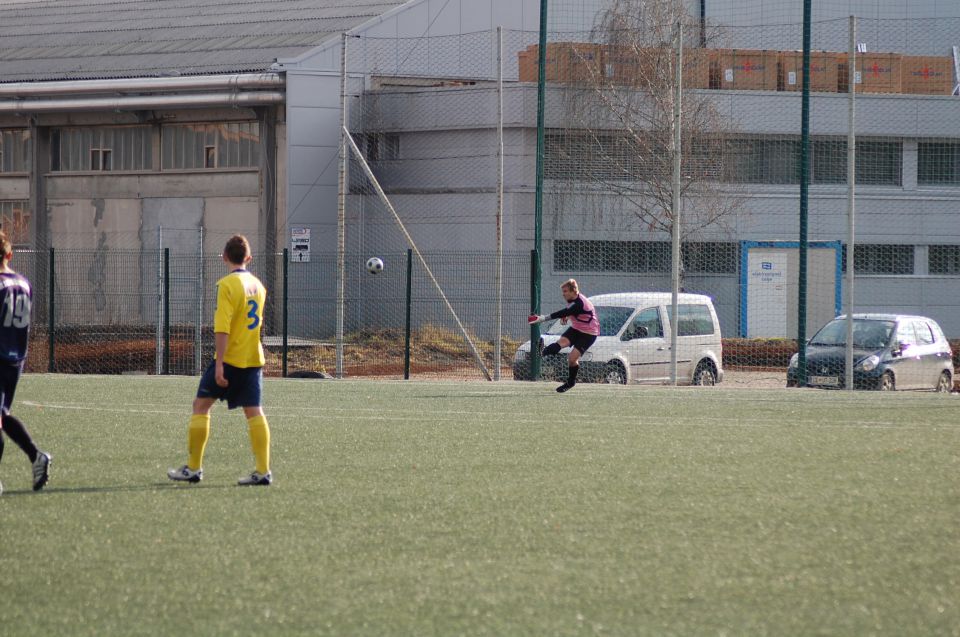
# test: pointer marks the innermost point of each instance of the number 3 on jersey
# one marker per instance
(252, 315)
(16, 310)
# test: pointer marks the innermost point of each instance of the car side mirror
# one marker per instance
(899, 348)
(642, 332)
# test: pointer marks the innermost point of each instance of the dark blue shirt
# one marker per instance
(15, 303)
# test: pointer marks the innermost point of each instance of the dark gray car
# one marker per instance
(890, 351)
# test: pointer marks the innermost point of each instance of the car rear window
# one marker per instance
(694, 320)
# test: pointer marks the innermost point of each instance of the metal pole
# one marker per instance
(198, 333)
(341, 205)
(497, 344)
(537, 270)
(675, 229)
(804, 201)
(286, 308)
(166, 311)
(407, 327)
(851, 196)
(160, 282)
(52, 311)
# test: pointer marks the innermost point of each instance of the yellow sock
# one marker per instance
(260, 442)
(197, 437)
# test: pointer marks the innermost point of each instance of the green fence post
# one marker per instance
(535, 362)
(51, 312)
(406, 330)
(166, 311)
(286, 288)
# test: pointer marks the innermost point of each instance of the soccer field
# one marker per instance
(485, 509)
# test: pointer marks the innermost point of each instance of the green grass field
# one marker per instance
(485, 509)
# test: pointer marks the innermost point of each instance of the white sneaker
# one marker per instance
(256, 480)
(41, 470)
(185, 474)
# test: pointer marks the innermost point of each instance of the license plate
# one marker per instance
(829, 381)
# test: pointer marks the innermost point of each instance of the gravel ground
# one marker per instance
(755, 380)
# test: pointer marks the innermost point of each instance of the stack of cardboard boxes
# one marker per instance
(742, 69)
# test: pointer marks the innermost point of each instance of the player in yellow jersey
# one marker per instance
(236, 375)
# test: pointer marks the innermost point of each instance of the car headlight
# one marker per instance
(870, 363)
(793, 360)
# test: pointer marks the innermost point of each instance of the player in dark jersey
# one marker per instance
(15, 302)
(583, 331)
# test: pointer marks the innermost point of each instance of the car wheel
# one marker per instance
(705, 375)
(886, 382)
(615, 374)
(791, 382)
(944, 383)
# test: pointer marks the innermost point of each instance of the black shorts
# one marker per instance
(9, 377)
(245, 385)
(579, 340)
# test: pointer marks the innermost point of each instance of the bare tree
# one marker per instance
(617, 147)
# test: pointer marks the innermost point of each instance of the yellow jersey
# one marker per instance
(239, 314)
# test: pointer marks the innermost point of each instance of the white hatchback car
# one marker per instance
(634, 342)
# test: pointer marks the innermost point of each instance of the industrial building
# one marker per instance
(137, 124)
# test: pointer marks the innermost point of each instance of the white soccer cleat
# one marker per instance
(256, 479)
(185, 474)
(41, 470)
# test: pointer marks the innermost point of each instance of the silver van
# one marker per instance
(634, 342)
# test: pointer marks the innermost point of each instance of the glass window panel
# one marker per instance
(944, 259)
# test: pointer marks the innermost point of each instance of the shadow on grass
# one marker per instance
(157, 486)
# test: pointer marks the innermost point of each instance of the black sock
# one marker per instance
(18, 433)
(572, 380)
(552, 348)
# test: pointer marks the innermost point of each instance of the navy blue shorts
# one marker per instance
(579, 340)
(245, 385)
(9, 377)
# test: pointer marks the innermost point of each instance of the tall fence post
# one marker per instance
(286, 307)
(166, 311)
(51, 311)
(406, 329)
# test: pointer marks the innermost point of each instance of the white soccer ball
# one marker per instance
(374, 265)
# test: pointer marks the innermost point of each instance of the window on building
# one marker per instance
(208, 146)
(938, 163)
(943, 259)
(643, 256)
(382, 147)
(104, 148)
(755, 160)
(710, 258)
(15, 221)
(16, 151)
(604, 156)
(881, 259)
(611, 256)
(879, 162)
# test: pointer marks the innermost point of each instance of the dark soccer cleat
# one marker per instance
(185, 474)
(564, 387)
(41, 470)
(256, 480)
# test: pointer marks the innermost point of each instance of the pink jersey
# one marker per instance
(585, 322)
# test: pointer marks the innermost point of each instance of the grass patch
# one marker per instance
(486, 509)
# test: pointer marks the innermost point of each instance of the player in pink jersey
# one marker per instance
(583, 331)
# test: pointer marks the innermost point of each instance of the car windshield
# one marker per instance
(867, 333)
(611, 319)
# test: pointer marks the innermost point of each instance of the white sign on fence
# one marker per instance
(767, 298)
(300, 245)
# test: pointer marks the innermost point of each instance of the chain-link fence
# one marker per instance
(151, 312)
(442, 160)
